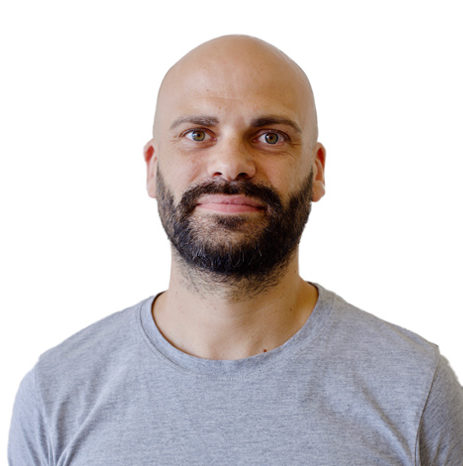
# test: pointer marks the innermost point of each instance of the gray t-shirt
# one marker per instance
(347, 389)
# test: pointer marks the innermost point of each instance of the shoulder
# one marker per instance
(68, 380)
(394, 363)
(99, 345)
(367, 333)
(394, 375)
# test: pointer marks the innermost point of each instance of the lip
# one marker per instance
(229, 203)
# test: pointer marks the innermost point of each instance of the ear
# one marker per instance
(318, 186)
(151, 168)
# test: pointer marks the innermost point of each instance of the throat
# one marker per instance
(222, 329)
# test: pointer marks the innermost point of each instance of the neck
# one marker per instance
(214, 318)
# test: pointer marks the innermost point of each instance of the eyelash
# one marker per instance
(205, 131)
(281, 134)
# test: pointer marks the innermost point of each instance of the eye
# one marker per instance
(272, 138)
(197, 135)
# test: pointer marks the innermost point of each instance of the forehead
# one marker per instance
(225, 86)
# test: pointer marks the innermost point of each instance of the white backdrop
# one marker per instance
(80, 238)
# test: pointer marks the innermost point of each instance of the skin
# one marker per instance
(235, 81)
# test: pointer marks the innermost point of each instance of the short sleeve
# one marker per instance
(28, 443)
(441, 431)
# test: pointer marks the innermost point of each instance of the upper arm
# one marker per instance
(440, 439)
(28, 442)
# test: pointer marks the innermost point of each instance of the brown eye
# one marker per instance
(271, 138)
(197, 135)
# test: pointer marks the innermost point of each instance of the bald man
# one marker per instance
(240, 361)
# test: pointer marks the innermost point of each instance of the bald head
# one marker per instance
(235, 113)
(237, 67)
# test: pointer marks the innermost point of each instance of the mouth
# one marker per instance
(230, 204)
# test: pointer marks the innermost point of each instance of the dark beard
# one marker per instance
(207, 243)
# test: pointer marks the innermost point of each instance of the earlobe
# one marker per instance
(318, 187)
(151, 168)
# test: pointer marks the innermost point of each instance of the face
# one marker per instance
(234, 164)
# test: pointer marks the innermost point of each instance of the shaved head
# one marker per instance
(220, 67)
(234, 162)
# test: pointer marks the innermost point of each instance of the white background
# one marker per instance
(80, 238)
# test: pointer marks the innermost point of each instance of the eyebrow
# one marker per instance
(266, 120)
(202, 120)
(274, 120)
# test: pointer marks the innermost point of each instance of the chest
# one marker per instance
(268, 421)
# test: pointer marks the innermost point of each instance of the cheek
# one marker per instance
(282, 177)
(287, 179)
(179, 165)
(179, 176)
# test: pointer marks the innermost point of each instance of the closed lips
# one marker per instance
(229, 203)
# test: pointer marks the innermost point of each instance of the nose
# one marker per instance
(231, 161)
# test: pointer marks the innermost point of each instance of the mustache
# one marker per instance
(263, 193)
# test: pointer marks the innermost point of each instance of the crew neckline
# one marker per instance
(236, 367)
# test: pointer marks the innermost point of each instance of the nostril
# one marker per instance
(239, 176)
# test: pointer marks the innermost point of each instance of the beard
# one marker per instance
(235, 247)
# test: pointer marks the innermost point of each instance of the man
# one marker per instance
(240, 361)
